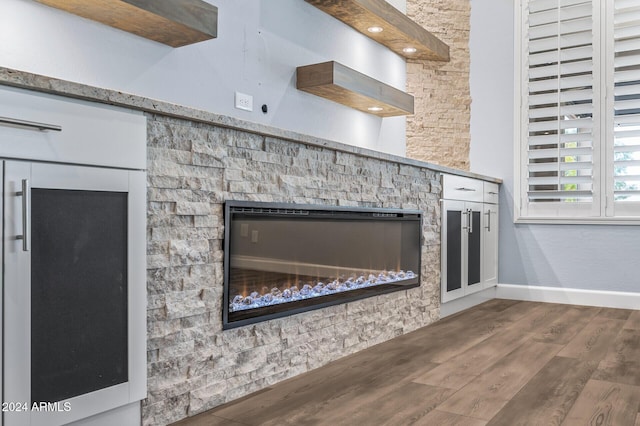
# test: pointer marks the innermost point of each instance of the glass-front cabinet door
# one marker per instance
(474, 253)
(71, 291)
(454, 246)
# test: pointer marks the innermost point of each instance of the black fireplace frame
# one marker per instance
(300, 306)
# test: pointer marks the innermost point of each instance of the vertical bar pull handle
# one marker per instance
(488, 213)
(26, 196)
(470, 213)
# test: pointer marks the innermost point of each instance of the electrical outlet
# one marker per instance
(244, 101)
(254, 236)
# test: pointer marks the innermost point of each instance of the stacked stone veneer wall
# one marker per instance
(439, 131)
(193, 365)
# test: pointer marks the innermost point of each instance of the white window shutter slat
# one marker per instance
(626, 31)
(625, 4)
(552, 167)
(626, 90)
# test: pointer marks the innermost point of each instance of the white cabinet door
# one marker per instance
(74, 291)
(490, 246)
(474, 255)
(454, 245)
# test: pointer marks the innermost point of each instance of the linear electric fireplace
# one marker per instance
(282, 259)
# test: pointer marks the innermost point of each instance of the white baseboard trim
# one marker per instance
(571, 296)
(466, 302)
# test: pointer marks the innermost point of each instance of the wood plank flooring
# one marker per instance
(504, 363)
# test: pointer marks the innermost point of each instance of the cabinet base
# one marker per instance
(466, 302)
(126, 415)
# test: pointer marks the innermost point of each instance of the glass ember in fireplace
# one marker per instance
(284, 259)
(307, 287)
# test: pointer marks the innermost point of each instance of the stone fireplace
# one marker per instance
(282, 259)
(195, 360)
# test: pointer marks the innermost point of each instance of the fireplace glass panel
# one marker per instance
(78, 292)
(284, 260)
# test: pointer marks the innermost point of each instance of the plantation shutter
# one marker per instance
(626, 104)
(559, 50)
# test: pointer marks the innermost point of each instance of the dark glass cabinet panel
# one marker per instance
(454, 250)
(475, 247)
(78, 292)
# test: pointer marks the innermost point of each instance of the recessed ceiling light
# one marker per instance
(409, 50)
(375, 109)
(375, 29)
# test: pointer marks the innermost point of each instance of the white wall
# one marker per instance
(570, 256)
(260, 43)
(401, 5)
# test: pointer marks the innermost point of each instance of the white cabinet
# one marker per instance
(469, 236)
(73, 302)
(490, 235)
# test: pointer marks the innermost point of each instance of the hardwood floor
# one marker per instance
(500, 363)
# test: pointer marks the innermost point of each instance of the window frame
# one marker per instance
(603, 209)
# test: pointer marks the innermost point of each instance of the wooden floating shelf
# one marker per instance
(341, 84)
(175, 23)
(398, 31)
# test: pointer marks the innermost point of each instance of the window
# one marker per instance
(578, 148)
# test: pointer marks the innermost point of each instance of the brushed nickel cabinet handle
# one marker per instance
(469, 227)
(462, 188)
(30, 124)
(26, 196)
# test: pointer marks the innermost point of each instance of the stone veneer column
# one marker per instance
(193, 365)
(439, 131)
